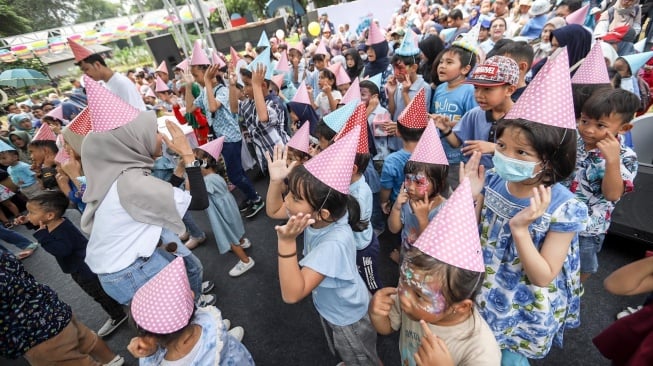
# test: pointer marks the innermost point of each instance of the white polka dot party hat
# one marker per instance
(358, 118)
(415, 115)
(593, 69)
(333, 166)
(80, 52)
(550, 87)
(214, 147)
(108, 111)
(336, 119)
(429, 148)
(164, 304)
(300, 140)
(81, 124)
(44, 133)
(452, 236)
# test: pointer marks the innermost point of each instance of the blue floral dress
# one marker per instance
(525, 318)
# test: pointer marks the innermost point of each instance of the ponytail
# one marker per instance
(354, 211)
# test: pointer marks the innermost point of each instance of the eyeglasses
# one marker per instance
(418, 179)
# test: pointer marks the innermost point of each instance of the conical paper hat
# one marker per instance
(150, 93)
(354, 92)
(182, 65)
(299, 46)
(415, 115)
(161, 86)
(263, 41)
(578, 16)
(375, 36)
(80, 52)
(340, 73)
(377, 79)
(81, 124)
(214, 148)
(333, 166)
(447, 34)
(637, 60)
(62, 156)
(282, 65)
(408, 46)
(301, 96)
(199, 57)
(336, 119)
(234, 57)
(469, 40)
(6, 147)
(45, 133)
(57, 113)
(162, 67)
(278, 80)
(301, 140)
(640, 45)
(452, 236)
(164, 304)
(552, 84)
(358, 118)
(321, 49)
(429, 148)
(108, 111)
(263, 59)
(217, 60)
(593, 69)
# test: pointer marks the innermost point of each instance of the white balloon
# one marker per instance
(280, 34)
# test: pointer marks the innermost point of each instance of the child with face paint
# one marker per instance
(433, 306)
(420, 197)
(529, 222)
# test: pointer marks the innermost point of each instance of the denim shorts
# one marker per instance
(589, 248)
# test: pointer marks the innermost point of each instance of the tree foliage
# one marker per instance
(92, 10)
(12, 23)
(44, 14)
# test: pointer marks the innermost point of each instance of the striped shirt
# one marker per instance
(264, 135)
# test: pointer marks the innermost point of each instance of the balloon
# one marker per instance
(314, 29)
(280, 34)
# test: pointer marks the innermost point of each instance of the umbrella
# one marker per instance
(21, 78)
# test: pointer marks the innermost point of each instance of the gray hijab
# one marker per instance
(125, 154)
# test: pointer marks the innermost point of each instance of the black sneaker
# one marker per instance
(245, 205)
(255, 208)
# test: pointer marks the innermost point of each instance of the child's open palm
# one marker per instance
(277, 164)
(295, 226)
(539, 203)
(475, 172)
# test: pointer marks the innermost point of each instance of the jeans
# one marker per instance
(590, 246)
(191, 226)
(235, 172)
(194, 268)
(14, 238)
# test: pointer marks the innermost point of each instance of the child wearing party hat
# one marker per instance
(378, 63)
(329, 97)
(590, 77)
(379, 122)
(43, 152)
(420, 197)
(529, 223)
(319, 205)
(605, 167)
(328, 126)
(627, 78)
(170, 328)
(226, 222)
(434, 306)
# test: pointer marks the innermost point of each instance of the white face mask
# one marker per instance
(545, 47)
(364, 57)
(627, 84)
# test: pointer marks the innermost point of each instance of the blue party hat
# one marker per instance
(639, 46)
(264, 59)
(408, 46)
(637, 60)
(263, 41)
(5, 146)
(447, 34)
(336, 119)
(376, 79)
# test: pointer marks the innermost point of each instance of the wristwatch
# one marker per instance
(194, 164)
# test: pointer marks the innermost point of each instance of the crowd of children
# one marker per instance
(494, 172)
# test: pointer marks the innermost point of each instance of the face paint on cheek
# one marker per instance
(431, 300)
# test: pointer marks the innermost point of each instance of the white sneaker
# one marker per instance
(207, 286)
(629, 310)
(237, 332)
(241, 267)
(246, 243)
(227, 323)
(109, 326)
(194, 242)
(206, 300)
(117, 361)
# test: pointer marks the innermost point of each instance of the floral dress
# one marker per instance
(525, 318)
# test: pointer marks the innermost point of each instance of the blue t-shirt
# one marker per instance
(453, 104)
(342, 297)
(363, 194)
(533, 28)
(392, 175)
(475, 126)
(410, 230)
(22, 175)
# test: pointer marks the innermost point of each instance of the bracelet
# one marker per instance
(448, 133)
(287, 255)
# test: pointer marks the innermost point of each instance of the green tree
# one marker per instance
(12, 23)
(91, 10)
(44, 14)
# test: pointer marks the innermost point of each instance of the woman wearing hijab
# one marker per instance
(431, 46)
(354, 64)
(378, 62)
(543, 49)
(300, 113)
(623, 12)
(22, 122)
(578, 41)
(20, 140)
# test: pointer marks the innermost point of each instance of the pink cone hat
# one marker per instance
(552, 84)
(164, 304)
(302, 95)
(353, 93)
(282, 65)
(593, 69)
(44, 133)
(81, 124)
(234, 57)
(183, 65)
(161, 85)
(62, 156)
(199, 57)
(217, 60)
(321, 49)
(150, 93)
(56, 113)
(358, 118)
(578, 16)
(80, 52)
(162, 67)
(300, 140)
(375, 36)
(214, 148)
(452, 236)
(415, 115)
(340, 73)
(333, 165)
(429, 148)
(299, 46)
(108, 111)
(278, 80)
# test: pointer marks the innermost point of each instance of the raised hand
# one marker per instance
(382, 301)
(178, 141)
(610, 147)
(475, 172)
(278, 167)
(295, 226)
(484, 147)
(539, 203)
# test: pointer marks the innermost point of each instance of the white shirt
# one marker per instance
(117, 240)
(121, 86)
